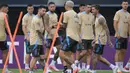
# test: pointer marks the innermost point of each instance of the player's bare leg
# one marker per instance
(69, 60)
(119, 59)
(97, 58)
(123, 51)
(89, 53)
(27, 57)
(77, 57)
(81, 55)
(46, 55)
(52, 65)
(32, 63)
(4, 56)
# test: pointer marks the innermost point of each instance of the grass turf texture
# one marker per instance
(40, 71)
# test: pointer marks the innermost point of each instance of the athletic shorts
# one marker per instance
(37, 50)
(3, 45)
(49, 42)
(28, 50)
(99, 49)
(69, 45)
(121, 43)
(87, 44)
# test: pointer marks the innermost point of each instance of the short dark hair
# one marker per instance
(51, 3)
(97, 7)
(41, 6)
(3, 5)
(124, 1)
(29, 5)
(81, 5)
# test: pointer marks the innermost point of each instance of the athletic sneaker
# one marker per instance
(31, 72)
(89, 70)
(80, 70)
(119, 71)
(48, 70)
(27, 69)
(93, 71)
(53, 67)
(127, 69)
(115, 69)
(124, 70)
(35, 68)
(76, 70)
(64, 71)
(8, 72)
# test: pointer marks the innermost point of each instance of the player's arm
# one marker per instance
(8, 21)
(116, 20)
(94, 18)
(80, 24)
(102, 21)
(46, 22)
(24, 27)
(55, 26)
(65, 21)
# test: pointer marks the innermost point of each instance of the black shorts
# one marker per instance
(3, 45)
(37, 50)
(87, 44)
(28, 50)
(69, 45)
(99, 49)
(49, 42)
(121, 43)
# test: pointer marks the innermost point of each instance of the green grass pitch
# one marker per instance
(40, 71)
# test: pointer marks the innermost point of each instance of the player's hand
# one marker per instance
(80, 41)
(52, 35)
(110, 44)
(117, 35)
(28, 38)
(93, 42)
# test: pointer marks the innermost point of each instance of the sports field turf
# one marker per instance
(40, 71)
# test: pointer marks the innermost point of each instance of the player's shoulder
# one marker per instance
(46, 15)
(55, 14)
(2, 13)
(101, 16)
(121, 11)
(81, 13)
(48, 12)
(70, 11)
(35, 18)
(25, 16)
